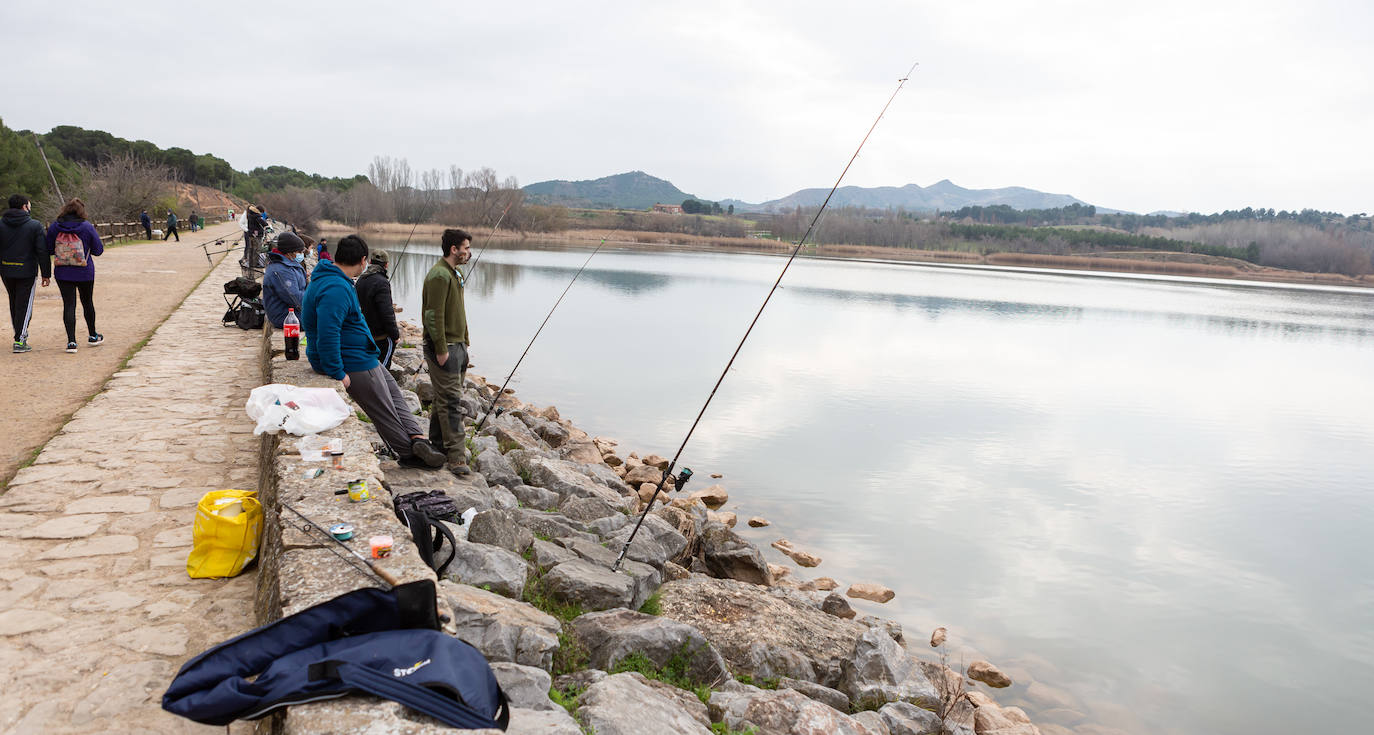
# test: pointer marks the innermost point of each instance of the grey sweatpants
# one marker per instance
(376, 391)
(446, 431)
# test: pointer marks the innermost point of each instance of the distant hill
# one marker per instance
(633, 190)
(944, 195)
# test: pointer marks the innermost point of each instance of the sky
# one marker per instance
(1201, 105)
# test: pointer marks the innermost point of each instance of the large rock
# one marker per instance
(495, 466)
(534, 497)
(802, 558)
(781, 711)
(612, 635)
(988, 674)
(587, 509)
(642, 474)
(626, 704)
(541, 722)
(687, 523)
(835, 604)
(546, 555)
(823, 694)
(593, 551)
(610, 524)
(423, 387)
(870, 591)
(655, 543)
(412, 401)
(992, 719)
(500, 528)
(502, 629)
(490, 567)
(511, 431)
(526, 687)
(872, 720)
(712, 497)
(904, 718)
(726, 554)
(406, 361)
(603, 474)
(737, 616)
(565, 479)
(646, 578)
(550, 432)
(551, 525)
(589, 585)
(583, 452)
(880, 670)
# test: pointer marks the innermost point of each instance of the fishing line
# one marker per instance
(498, 394)
(680, 481)
(381, 574)
(473, 265)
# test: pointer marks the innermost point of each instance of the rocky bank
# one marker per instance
(696, 633)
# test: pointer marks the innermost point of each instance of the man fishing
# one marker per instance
(446, 346)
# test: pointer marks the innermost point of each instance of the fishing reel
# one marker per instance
(683, 475)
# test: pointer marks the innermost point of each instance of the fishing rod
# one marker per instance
(497, 395)
(380, 573)
(686, 473)
(473, 265)
(55, 187)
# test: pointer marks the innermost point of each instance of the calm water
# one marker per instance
(1148, 501)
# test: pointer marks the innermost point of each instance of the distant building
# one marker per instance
(667, 208)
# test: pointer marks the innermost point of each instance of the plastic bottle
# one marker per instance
(291, 331)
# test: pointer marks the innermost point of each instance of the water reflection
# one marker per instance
(1152, 497)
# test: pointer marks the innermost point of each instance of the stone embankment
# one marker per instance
(696, 633)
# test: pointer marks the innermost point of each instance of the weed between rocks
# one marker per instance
(651, 606)
(720, 728)
(363, 417)
(763, 682)
(673, 671)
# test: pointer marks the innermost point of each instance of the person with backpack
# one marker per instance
(284, 281)
(374, 295)
(73, 243)
(171, 226)
(147, 223)
(22, 256)
(338, 344)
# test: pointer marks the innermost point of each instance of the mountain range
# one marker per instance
(638, 190)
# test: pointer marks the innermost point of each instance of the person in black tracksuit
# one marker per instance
(374, 296)
(23, 253)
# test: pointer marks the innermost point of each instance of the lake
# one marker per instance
(1147, 500)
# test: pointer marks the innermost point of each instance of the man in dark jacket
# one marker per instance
(171, 226)
(23, 253)
(147, 223)
(252, 238)
(339, 345)
(374, 295)
(283, 283)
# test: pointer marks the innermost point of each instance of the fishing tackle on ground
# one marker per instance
(385, 576)
(811, 228)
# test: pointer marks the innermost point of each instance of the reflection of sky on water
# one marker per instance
(1145, 493)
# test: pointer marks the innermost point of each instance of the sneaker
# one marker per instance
(461, 470)
(94, 340)
(21, 347)
(71, 347)
(412, 462)
(427, 453)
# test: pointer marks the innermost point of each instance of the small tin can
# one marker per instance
(357, 491)
(381, 546)
(341, 531)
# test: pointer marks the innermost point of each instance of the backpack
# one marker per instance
(385, 643)
(424, 514)
(250, 314)
(70, 250)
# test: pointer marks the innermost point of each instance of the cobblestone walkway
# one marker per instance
(97, 612)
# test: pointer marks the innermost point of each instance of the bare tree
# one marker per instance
(361, 204)
(303, 208)
(119, 187)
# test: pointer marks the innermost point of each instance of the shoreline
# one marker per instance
(1117, 264)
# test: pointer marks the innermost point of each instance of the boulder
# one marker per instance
(490, 567)
(526, 687)
(412, 401)
(551, 525)
(766, 662)
(566, 479)
(779, 572)
(509, 430)
(608, 525)
(589, 585)
(500, 528)
(423, 387)
(988, 674)
(612, 635)
(502, 629)
(689, 525)
(539, 722)
(553, 434)
(938, 637)
(611, 460)
(989, 718)
(655, 461)
(643, 473)
(582, 452)
(406, 361)
(533, 497)
(781, 711)
(605, 444)
(655, 543)
(836, 605)
(545, 555)
(646, 491)
(494, 466)
(673, 571)
(758, 522)
(626, 704)
(729, 519)
(870, 591)
(726, 554)
(603, 474)
(904, 718)
(823, 694)
(587, 509)
(891, 627)
(824, 584)
(712, 497)
(802, 558)
(872, 720)
(737, 616)
(593, 551)
(880, 670)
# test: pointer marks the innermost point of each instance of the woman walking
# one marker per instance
(74, 243)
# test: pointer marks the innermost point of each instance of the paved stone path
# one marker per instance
(97, 612)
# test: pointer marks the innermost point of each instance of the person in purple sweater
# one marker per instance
(74, 243)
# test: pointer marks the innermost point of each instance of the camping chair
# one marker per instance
(245, 309)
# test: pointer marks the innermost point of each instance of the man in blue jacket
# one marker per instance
(283, 283)
(23, 252)
(147, 223)
(338, 344)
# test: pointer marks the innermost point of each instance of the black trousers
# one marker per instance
(20, 291)
(148, 229)
(171, 231)
(70, 291)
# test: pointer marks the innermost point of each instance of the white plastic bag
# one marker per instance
(299, 411)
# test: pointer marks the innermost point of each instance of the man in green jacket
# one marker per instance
(446, 346)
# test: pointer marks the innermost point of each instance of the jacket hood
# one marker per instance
(276, 257)
(374, 270)
(328, 269)
(15, 217)
(70, 224)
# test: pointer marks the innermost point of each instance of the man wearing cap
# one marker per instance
(446, 346)
(374, 296)
(283, 283)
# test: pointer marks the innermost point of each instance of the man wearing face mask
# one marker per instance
(283, 283)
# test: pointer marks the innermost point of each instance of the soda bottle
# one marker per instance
(291, 331)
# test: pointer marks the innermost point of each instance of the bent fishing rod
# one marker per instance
(497, 396)
(385, 576)
(686, 473)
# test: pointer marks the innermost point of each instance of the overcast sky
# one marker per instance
(1200, 105)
